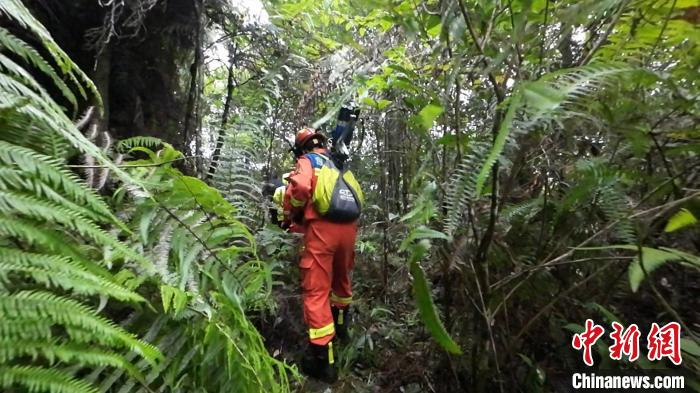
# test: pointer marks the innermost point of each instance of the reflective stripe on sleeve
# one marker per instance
(295, 202)
(280, 214)
(278, 196)
(322, 332)
(341, 300)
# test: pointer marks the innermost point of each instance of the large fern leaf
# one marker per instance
(463, 187)
(554, 96)
(55, 252)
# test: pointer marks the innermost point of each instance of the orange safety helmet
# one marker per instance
(307, 134)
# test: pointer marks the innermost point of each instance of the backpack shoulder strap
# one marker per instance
(318, 160)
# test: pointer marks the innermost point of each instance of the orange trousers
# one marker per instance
(326, 262)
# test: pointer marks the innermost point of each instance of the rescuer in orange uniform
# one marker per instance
(326, 260)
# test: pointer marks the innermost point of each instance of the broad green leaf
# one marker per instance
(690, 346)
(381, 104)
(400, 69)
(435, 30)
(604, 311)
(574, 327)
(166, 295)
(423, 232)
(377, 82)
(386, 23)
(191, 191)
(541, 96)
(653, 258)
(427, 115)
(405, 7)
(369, 101)
(680, 220)
(406, 85)
(428, 313)
(173, 298)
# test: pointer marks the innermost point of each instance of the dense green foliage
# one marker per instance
(527, 164)
(147, 291)
(533, 158)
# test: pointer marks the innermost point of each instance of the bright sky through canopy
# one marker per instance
(253, 10)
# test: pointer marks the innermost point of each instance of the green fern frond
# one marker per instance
(597, 185)
(68, 353)
(56, 146)
(35, 208)
(33, 329)
(53, 228)
(21, 129)
(463, 187)
(32, 56)
(37, 379)
(16, 180)
(48, 116)
(152, 335)
(202, 214)
(498, 143)
(162, 254)
(11, 68)
(562, 93)
(553, 97)
(138, 141)
(172, 345)
(525, 209)
(614, 206)
(37, 235)
(34, 305)
(633, 40)
(49, 171)
(55, 270)
(233, 175)
(16, 11)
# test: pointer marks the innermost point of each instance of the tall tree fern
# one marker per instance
(55, 256)
(239, 172)
(75, 281)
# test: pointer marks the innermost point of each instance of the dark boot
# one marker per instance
(342, 319)
(319, 363)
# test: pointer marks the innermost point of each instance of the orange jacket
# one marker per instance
(297, 196)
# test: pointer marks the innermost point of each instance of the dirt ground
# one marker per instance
(384, 353)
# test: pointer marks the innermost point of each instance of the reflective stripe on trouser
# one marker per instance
(322, 331)
(326, 263)
(340, 301)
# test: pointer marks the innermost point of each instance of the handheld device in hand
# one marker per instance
(343, 133)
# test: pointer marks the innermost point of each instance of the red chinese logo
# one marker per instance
(625, 342)
(586, 339)
(665, 342)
